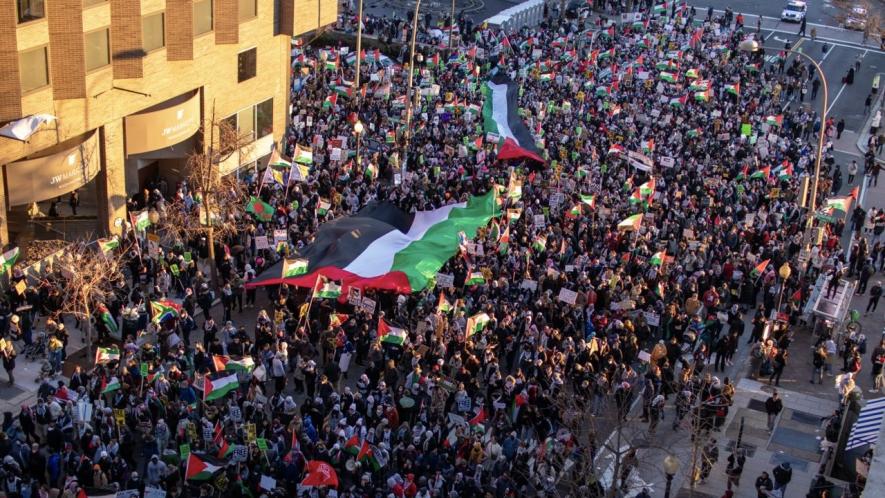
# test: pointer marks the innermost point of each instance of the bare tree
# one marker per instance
(860, 15)
(217, 208)
(87, 277)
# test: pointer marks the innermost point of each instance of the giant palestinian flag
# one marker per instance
(382, 247)
(500, 116)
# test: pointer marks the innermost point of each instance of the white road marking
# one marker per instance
(782, 40)
(833, 102)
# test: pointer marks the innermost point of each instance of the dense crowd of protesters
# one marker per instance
(658, 313)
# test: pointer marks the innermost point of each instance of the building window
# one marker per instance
(246, 62)
(97, 49)
(246, 123)
(31, 10)
(153, 31)
(248, 9)
(253, 122)
(34, 69)
(90, 3)
(202, 17)
(264, 118)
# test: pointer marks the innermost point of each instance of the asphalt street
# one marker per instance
(819, 11)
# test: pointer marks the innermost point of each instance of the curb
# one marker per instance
(864, 135)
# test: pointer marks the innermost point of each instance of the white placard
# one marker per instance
(445, 280)
(652, 318)
(335, 155)
(568, 296)
(569, 268)
(150, 492)
(644, 356)
(539, 221)
(531, 285)
(279, 235)
(368, 305)
(667, 162)
(354, 296)
(261, 242)
(267, 482)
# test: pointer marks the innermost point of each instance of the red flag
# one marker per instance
(320, 474)
(855, 193)
(479, 418)
(364, 451)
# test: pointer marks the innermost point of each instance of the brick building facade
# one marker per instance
(130, 82)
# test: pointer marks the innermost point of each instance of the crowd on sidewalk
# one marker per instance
(662, 122)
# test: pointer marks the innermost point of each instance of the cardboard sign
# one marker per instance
(120, 416)
(445, 280)
(354, 296)
(261, 443)
(267, 483)
(368, 305)
(261, 242)
(250, 432)
(568, 296)
(21, 287)
(188, 257)
(184, 450)
(280, 235)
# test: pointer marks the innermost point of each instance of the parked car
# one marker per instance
(857, 18)
(794, 11)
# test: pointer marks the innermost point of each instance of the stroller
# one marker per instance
(37, 349)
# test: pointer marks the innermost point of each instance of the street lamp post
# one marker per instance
(671, 467)
(751, 45)
(359, 48)
(408, 132)
(358, 130)
(784, 271)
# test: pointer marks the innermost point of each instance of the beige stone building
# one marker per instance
(115, 93)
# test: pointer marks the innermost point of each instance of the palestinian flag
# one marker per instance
(855, 193)
(329, 290)
(775, 120)
(224, 449)
(785, 171)
(391, 335)
(443, 306)
(352, 445)
(648, 145)
(513, 215)
(382, 247)
(478, 419)
(760, 268)
(540, 243)
(199, 469)
(658, 258)
(692, 74)
(693, 133)
(839, 203)
(668, 77)
(636, 197)
(224, 362)
(733, 89)
(164, 310)
(574, 212)
(294, 267)
(500, 116)
(337, 319)
(647, 189)
(108, 245)
(475, 278)
(660, 9)
(303, 155)
(261, 210)
(476, 323)
(666, 66)
(703, 96)
(323, 207)
(679, 101)
(616, 149)
(105, 355)
(112, 385)
(518, 401)
(589, 200)
(699, 85)
(546, 77)
(219, 387)
(9, 258)
(631, 222)
(762, 173)
(107, 319)
(330, 101)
